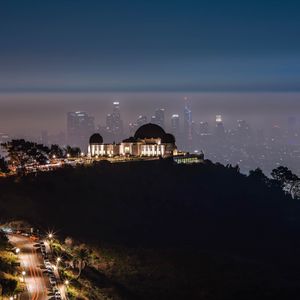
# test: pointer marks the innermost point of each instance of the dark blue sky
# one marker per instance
(71, 45)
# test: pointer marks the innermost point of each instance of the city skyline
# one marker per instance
(263, 109)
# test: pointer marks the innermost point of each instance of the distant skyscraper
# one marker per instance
(141, 120)
(109, 122)
(203, 128)
(218, 119)
(243, 130)
(219, 130)
(153, 119)
(4, 138)
(114, 123)
(292, 131)
(117, 121)
(187, 124)
(160, 117)
(79, 127)
(175, 125)
(276, 133)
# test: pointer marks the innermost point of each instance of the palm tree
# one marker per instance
(81, 258)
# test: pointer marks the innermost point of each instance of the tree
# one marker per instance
(56, 150)
(8, 286)
(258, 175)
(73, 151)
(284, 176)
(81, 258)
(69, 242)
(3, 165)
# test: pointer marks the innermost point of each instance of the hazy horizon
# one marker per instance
(23, 113)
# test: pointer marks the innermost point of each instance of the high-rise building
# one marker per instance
(243, 130)
(114, 123)
(292, 131)
(219, 130)
(175, 125)
(160, 117)
(142, 120)
(153, 119)
(203, 128)
(116, 118)
(4, 138)
(80, 125)
(109, 122)
(187, 124)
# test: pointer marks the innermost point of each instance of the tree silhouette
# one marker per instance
(258, 175)
(81, 258)
(285, 177)
(3, 165)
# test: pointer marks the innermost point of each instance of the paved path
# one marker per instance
(37, 282)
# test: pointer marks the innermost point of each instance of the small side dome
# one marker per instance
(96, 138)
(169, 138)
(149, 131)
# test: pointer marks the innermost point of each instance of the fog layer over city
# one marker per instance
(260, 129)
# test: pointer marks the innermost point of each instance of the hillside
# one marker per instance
(199, 231)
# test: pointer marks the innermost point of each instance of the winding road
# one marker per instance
(36, 279)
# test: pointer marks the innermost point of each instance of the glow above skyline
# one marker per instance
(149, 46)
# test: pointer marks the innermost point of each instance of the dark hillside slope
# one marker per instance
(145, 202)
(246, 227)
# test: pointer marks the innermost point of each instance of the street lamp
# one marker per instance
(67, 282)
(17, 250)
(50, 237)
(58, 260)
(23, 276)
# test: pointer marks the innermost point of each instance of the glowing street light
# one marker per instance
(23, 276)
(67, 282)
(58, 260)
(17, 250)
(54, 156)
(68, 155)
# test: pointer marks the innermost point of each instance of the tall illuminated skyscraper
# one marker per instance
(187, 124)
(142, 120)
(114, 123)
(219, 130)
(80, 125)
(160, 117)
(175, 125)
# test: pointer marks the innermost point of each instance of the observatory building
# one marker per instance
(150, 140)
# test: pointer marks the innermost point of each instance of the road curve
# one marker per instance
(37, 282)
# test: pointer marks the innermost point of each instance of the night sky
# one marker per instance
(122, 47)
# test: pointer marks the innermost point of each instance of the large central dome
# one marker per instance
(149, 131)
(95, 139)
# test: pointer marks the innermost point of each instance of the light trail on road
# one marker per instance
(36, 282)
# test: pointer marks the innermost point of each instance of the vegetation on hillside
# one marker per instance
(166, 231)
